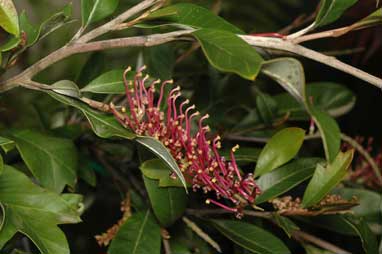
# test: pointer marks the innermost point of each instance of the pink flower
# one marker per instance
(196, 155)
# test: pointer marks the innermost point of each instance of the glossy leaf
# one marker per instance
(95, 10)
(168, 203)
(160, 61)
(280, 149)
(68, 88)
(368, 238)
(251, 237)
(8, 17)
(330, 133)
(53, 161)
(139, 235)
(267, 108)
(369, 203)
(326, 177)
(103, 125)
(332, 98)
(31, 31)
(331, 10)
(243, 155)
(229, 53)
(286, 224)
(194, 16)
(110, 82)
(279, 181)
(289, 73)
(158, 170)
(7, 144)
(34, 212)
(162, 153)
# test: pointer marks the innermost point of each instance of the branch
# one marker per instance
(146, 41)
(280, 44)
(319, 242)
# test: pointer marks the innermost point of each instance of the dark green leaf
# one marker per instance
(160, 61)
(12, 43)
(34, 212)
(53, 161)
(29, 29)
(267, 107)
(326, 177)
(7, 144)
(168, 203)
(331, 10)
(139, 235)
(286, 224)
(244, 154)
(330, 132)
(95, 10)
(227, 52)
(194, 16)
(369, 203)
(334, 99)
(103, 125)
(280, 149)
(162, 153)
(368, 238)
(285, 178)
(1, 170)
(8, 17)
(251, 237)
(158, 170)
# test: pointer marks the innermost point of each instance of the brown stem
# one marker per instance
(300, 235)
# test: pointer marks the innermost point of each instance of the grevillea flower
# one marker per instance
(171, 121)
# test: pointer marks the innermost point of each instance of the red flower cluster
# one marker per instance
(196, 155)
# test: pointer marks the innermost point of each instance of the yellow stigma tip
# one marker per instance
(208, 201)
(128, 68)
(123, 109)
(235, 148)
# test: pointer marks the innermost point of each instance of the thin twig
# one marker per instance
(365, 154)
(300, 235)
(201, 233)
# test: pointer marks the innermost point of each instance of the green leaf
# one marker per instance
(285, 178)
(160, 61)
(330, 132)
(331, 10)
(286, 224)
(68, 88)
(12, 43)
(103, 125)
(110, 82)
(7, 144)
(168, 203)
(267, 107)
(34, 212)
(280, 149)
(373, 19)
(332, 98)
(229, 53)
(162, 153)
(95, 10)
(251, 237)
(368, 238)
(194, 16)
(29, 29)
(139, 235)
(158, 170)
(53, 161)
(325, 178)
(369, 203)
(244, 154)
(1, 169)
(8, 17)
(289, 73)
(54, 22)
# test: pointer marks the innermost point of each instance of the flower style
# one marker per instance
(171, 121)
